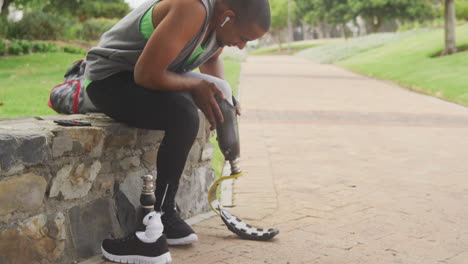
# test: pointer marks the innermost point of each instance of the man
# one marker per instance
(140, 74)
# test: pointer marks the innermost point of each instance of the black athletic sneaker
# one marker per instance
(147, 247)
(132, 250)
(176, 230)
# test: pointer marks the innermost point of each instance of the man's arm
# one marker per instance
(214, 66)
(181, 22)
(182, 19)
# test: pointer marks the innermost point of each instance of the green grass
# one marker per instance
(338, 51)
(26, 81)
(232, 69)
(274, 50)
(409, 63)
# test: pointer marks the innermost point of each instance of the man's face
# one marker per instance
(236, 34)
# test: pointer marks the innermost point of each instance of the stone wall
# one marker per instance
(64, 189)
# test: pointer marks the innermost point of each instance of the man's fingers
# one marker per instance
(219, 93)
(238, 108)
(216, 110)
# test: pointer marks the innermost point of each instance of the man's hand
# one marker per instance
(204, 96)
(237, 105)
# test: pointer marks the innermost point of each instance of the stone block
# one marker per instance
(148, 137)
(30, 149)
(104, 183)
(76, 141)
(90, 224)
(106, 167)
(129, 162)
(149, 159)
(193, 192)
(195, 152)
(132, 185)
(203, 126)
(75, 181)
(119, 136)
(211, 133)
(127, 212)
(15, 169)
(207, 152)
(36, 240)
(127, 195)
(22, 193)
(8, 146)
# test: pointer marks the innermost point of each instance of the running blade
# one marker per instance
(246, 231)
(241, 228)
(233, 223)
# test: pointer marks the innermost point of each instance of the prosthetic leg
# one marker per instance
(228, 139)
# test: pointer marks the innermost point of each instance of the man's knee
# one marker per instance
(224, 86)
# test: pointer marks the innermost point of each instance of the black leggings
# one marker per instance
(119, 97)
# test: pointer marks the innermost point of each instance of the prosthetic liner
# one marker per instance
(228, 139)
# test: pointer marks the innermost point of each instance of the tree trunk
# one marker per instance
(450, 42)
(376, 24)
(278, 39)
(5, 11)
(319, 30)
(343, 31)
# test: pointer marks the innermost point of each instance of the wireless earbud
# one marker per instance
(225, 21)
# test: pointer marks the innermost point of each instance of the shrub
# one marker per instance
(462, 10)
(95, 27)
(107, 9)
(411, 25)
(26, 46)
(39, 47)
(12, 30)
(74, 32)
(73, 49)
(2, 47)
(3, 26)
(51, 47)
(39, 25)
(15, 48)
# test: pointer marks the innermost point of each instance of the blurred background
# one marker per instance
(39, 39)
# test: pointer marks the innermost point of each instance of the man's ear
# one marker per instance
(230, 14)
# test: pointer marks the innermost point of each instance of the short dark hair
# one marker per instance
(251, 11)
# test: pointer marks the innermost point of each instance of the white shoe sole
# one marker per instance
(135, 259)
(190, 239)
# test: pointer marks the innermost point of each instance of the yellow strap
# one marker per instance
(212, 191)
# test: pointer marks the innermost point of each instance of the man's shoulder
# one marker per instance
(195, 7)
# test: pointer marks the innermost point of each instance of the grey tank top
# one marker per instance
(120, 47)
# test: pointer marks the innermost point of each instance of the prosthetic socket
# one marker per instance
(228, 135)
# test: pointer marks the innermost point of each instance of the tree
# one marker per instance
(376, 12)
(5, 5)
(23, 5)
(279, 18)
(83, 9)
(332, 12)
(450, 18)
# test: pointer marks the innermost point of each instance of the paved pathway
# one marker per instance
(350, 169)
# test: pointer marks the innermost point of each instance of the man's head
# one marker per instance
(240, 21)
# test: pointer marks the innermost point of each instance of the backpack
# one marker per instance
(69, 97)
